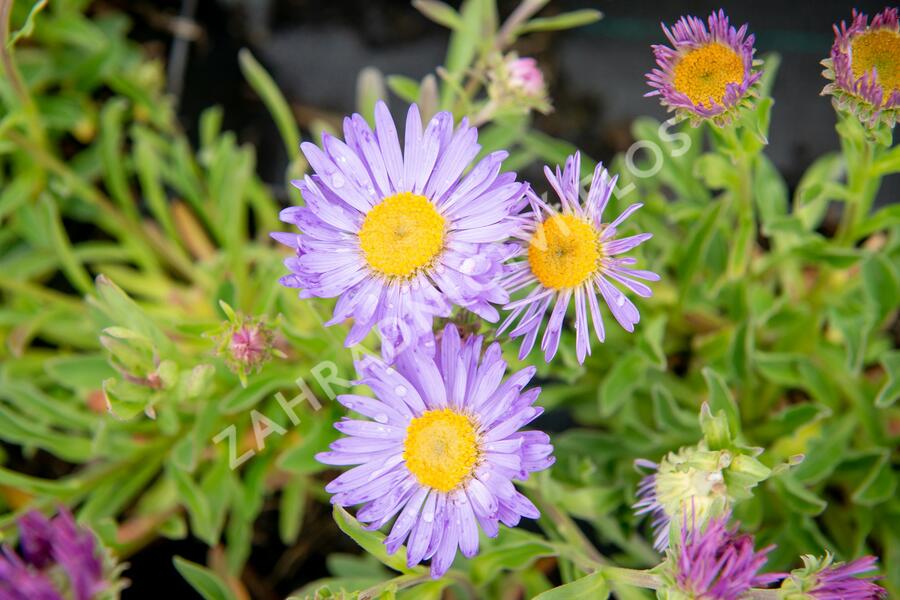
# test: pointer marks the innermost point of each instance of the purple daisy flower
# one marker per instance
(442, 448)
(821, 579)
(400, 238)
(716, 563)
(864, 67)
(572, 255)
(47, 547)
(707, 73)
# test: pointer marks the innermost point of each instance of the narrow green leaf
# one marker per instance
(371, 542)
(440, 13)
(721, 399)
(28, 26)
(569, 20)
(278, 107)
(890, 391)
(589, 587)
(209, 585)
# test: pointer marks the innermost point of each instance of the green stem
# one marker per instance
(861, 191)
(632, 577)
(746, 223)
(11, 71)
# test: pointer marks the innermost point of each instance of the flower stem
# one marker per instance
(861, 191)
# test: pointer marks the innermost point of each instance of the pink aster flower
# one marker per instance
(864, 67)
(707, 72)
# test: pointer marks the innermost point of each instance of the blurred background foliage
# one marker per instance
(125, 243)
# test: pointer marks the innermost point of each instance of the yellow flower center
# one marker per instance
(704, 73)
(441, 448)
(564, 251)
(878, 49)
(402, 234)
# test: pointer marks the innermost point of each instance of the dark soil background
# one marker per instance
(315, 49)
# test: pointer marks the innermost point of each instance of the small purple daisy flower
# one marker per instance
(442, 448)
(864, 67)
(48, 546)
(821, 579)
(572, 255)
(716, 563)
(707, 73)
(401, 237)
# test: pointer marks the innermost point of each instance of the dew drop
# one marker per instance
(400, 390)
(381, 418)
(337, 181)
(620, 300)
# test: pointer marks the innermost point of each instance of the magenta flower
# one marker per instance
(707, 73)
(442, 448)
(401, 237)
(822, 579)
(572, 255)
(864, 67)
(715, 562)
(53, 553)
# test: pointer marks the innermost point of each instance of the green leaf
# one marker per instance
(404, 87)
(721, 399)
(882, 284)
(515, 550)
(890, 391)
(817, 188)
(371, 541)
(589, 587)
(265, 86)
(798, 497)
(84, 372)
(28, 26)
(697, 243)
(209, 585)
(461, 50)
(440, 13)
(716, 171)
(855, 326)
(241, 399)
(291, 509)
(825, 452)
(196, 503)
(569, 20)
(879, 484)
(122, 310)
(618, 385)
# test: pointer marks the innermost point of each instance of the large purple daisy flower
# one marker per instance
(401, 237)
(441, 449)
(864, 67)
(716, 563)
(822, 579)
(707, 73)
(52, 551)
(572, 255)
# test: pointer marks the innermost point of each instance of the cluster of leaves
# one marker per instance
(121, 243)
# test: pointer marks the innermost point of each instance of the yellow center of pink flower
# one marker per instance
(564, 251)
(441, 448)
(877, 49)
(705, 72)
(402, 235)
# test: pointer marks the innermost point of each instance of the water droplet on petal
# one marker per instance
(381, 418)
(400, 390)
(337, 180)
